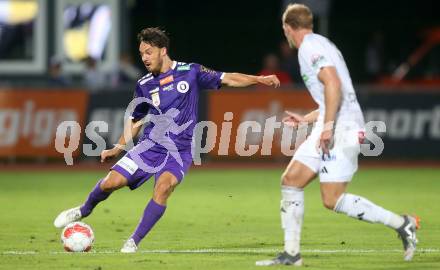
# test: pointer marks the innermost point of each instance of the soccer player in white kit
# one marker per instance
(331, 151)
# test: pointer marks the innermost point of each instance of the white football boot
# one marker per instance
(129, 246)
(282, 259)
(67, 216)
(407, 233)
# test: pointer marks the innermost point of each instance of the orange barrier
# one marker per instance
(29, 118)
(254, 105)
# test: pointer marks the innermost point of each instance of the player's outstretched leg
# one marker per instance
(77, 213)
(363, 209)
(100, 192)
(153, 212)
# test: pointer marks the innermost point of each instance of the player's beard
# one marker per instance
(159, 65)
(156, 68)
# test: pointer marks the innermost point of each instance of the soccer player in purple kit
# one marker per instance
(171, 89)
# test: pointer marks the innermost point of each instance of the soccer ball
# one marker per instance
(77, 237)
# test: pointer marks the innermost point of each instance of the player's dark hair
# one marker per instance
(154, 36)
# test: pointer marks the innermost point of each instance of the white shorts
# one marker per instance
(342, 162)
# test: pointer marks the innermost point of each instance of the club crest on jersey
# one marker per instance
(183, 87)
(156, 99)
(167, 80)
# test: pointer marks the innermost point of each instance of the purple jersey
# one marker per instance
(178, 89)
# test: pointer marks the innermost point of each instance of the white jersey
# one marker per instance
(315, 53)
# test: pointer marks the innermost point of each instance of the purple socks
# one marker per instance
(152, 213)
(95, 197)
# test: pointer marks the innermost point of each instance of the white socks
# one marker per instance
(292, 214)
(358, 207)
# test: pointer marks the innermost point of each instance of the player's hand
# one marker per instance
(293, 119)
(109, 154)
(271, 80)
(326, 141)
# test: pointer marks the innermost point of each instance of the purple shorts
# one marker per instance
(139, 169)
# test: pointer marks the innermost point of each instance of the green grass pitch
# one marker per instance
(217, 219)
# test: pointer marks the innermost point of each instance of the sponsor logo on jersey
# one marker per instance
(166, 80)
(128, 165)
(361, 137)
(168, 87)
(183, 87)
(184, 68)
(328, 157)
(316, 59)
(305, 77)
(206, 70)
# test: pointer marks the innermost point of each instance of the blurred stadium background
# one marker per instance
(78, 60)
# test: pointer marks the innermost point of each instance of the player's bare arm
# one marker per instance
(131, 130)
(243, 80)
(332, 97)
(294, 119)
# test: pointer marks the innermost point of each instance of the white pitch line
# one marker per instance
(21, 252)
(225, 251)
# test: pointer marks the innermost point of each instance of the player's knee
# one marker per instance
(288, 179)
(163, 189)
(112, 183)
(329, 202)
(162, 192)
(108, 185)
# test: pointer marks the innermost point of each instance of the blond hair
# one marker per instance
(298, 16)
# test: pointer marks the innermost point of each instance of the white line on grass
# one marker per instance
(224, 251)
(18, 252)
